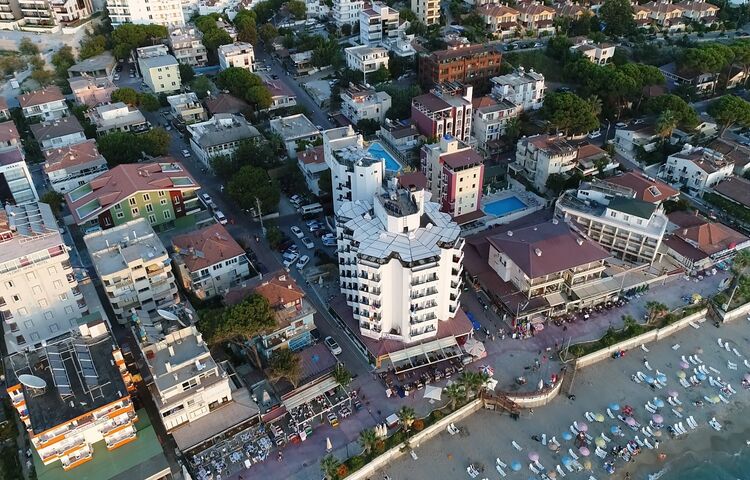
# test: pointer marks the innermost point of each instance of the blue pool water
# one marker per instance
(505, 206)
(377, 150)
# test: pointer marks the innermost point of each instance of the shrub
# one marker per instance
(418, 425)
(379, 447)
(342, 471)
(355, 463)
(437, 414)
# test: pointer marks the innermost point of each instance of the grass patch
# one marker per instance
(551, 68)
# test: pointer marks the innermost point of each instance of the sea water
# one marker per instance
(711, 466)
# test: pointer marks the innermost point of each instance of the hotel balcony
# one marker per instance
(80, 458)
(121, 438)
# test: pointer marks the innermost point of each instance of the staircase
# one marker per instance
(498, 402)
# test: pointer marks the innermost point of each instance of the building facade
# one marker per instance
(167, 13)
(427, 11)
(362, 103)
(447, 110)
(472, 64)
(187, 108)
(540, 156)
(238, 55)
(490, 120)
(366, 59)
(522, 88)
(346, 12)
(45, 104)
(70, 167)
(222, 134)
(187, 47)
(16, 185)
(160, 73)
(117, 117)
(696, 169)
(355, 175)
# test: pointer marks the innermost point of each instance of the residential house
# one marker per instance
(366, 59)
(570, 10)
(737, 154)
(598, 53)
(10, 139)
(632, 141)
(160, 73)
(98, 66)
(667, 16)
(312, 163)
(4, 110)
(501, 20)
(45, 104)
(58, 133)
(539, 156)
(376, 23)
(117, 117)
(592, 160)
(702, 82)
(522, 88)
(186, 108)
(209, 261)
(281, 95)
(293, 130)
(447, 110)
(238, 55)
(490, 119)
(466, 63)
(642, 16)
(92, 91)
(736, 190)
(696, 169)
(364, 103)
(352, 167)
(346, 12)
(537, 18)
(225, 103)
(187, 47)
(699, 11)
(222, 134)
(69, 167)
(301, 62)
(645, 188)
(164, 193)
(401, 139)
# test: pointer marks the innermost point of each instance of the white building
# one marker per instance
(377, 23)
(540, 156)
(362, 103)
(14, 172)
(490, 120)
(631, 140)
(39, 294)
(238, 54)
(525, 89)
(346, 12)
(355, 175)
(187, 46)
(117, 117)
(166, 12)
(400, 262)
(366, 59)
(311, 162)
(598, 53)
(134, 268)
(45, 104)
(221, 135)
(427, 11)
(160, 73)
(293, 130)
(70, 167)
(58, 133)
(186, 107)
(696, 168)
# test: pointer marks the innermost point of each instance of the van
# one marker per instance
(311, 208)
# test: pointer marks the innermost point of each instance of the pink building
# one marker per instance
(92, 91)
(446, 110)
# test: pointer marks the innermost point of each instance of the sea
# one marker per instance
(727, 458)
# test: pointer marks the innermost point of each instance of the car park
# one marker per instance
(220, 217)
(310, 223)
(308, 243)
(297, 232)
(302, 262)
(285, 243)
(332, 345)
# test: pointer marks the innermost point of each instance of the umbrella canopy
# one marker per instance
(599, 442)
(714, 399)
(475, 348)
(658, 402)
(587, 464)
(630, 421)
(433, 392)
(533, 456)
(487, 369)
(657, 418)
(515, 466)
(701, 376)
(552, 474)
(567, 435)
(582, 427)
(329, 446)
(684, 365)
(614, 429)
(661, 377)
(614, 407)
(584, 451)
(567, 460)
(649, 380)
(681, 374)
(673, 393)
(553, 446)
(599, 417)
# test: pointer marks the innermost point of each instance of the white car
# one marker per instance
(220, 217)
(185, 153)
(595, 134)
(296, 200)
(289, 260)
(208, 201)
(297, 232)
(308, 243)
(302, 262)
(332, 345)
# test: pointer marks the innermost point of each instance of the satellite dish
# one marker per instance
(32, 381)
(167, 315)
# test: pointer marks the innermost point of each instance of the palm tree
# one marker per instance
(513, 129)
(330, 465)
(596, 105)
(342, 375)
(655, 310)
(454, 392)
(665, 124)
(471, 382)
(406, 416)
(367, 440)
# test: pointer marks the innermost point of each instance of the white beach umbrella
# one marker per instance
(432, 392)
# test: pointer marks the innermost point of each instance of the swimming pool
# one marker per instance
(377, 150)
(505, 206)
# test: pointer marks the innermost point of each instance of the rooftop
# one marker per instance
(431, 102)
(464, 158)
(205, 247)
(96, 63)
(225, 103)
(552, 144)
(645, 188)
(159, 61)
(497, 10)
(363, 50)
(8, 132)
(79, 372)
(76, 155)
(711, 237)
(114, 249)
(738, 154)
(115, 115)
(547, 248)
(517, 78)
(633, 206)
(236, 48)
(736, 189)
(40, 97)
(56, 128)
(177, 357)
(294, 127)
(416, 180)
(312, 155)
(33, 229)
(11, 156)
(465, 51)
(222, 128)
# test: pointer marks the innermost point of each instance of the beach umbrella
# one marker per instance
(515, 466)
(701, 376)
(681, 374)
(587, 464)
(567, 435)
(661, 377)
(567, 460)
(649, 380)
(533, 456)
(329, 447)
(658, 402)
(673, 393)
(614, 407)
(630, 421)
(657, 418)
(553, 446)
(582, 427)
(614, 429)
(684, 365)
(714, 399)
(599, 417)
(552, 474)
(657, 433)
(584, 451)
(599, 442)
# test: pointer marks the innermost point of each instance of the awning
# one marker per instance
(597, 289)
(447, 346)
(554, 299)
(310, 393)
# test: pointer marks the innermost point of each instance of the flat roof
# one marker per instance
(158, 61)
(294, 127)
(98, 62)
(736, 189)
(222, 128)
(464, 158)
(113, 249)
(633, 206)
(33, 227)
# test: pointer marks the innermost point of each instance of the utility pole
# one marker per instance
(260, 216)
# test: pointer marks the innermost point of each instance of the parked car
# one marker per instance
(308, 243)
(220, 217)
(185, 153)
(284, 244)
(332, 345)
(302, 262)
(297, 232)
(595, 134)
(290, 260)
(296, 200)
(206, 198)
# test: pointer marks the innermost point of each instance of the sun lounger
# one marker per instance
(731, 366)
(723, 399)
(677, 401)
(452, 429)
(676, 346)
(643, 347)
(569, 467)
(697, 358)
(533, 468)
(500, 463)
(692, 360)
(554, 440)
(734, 350)
(572, 454)
(573, 430)
(648, 444)
(683, 359)
(648, 429)
(714, 370)
(676, 430)
(677, 414)
(691, 423)
(609, 414)
(577, 465)
(684, 383)
(702, 369)
(516, 446)
(658, 385)
(600, 453)
(650, 409)
(721, 344)
(560, 471)
(648, 366)
(695, 325)
(643, 431)
(727, 347)
(589, 416)
(729, 387)
(747, 364)
(636, 379)
(670, 401)
(539, 466)
(589, 437)
(606, 438)
(640, 375)
(500, 471)
(544, 439)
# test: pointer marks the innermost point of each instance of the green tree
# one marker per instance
(407, 15)
(201, 86)
(54, 200)
(27, 47)
(155, 142)
(274, 236)
(730, 110)
(120, 147)
(556, 183)
(368, 126)
(148, 102)
(342, 375)
(666, 122)
(10, 64)
(250, 183)
(329, 465)
(92, 46)
(216, 37)
(259, 96)
(706, 58)
(655, 310)
(126, 95)
(569, 113)
(63, 59)
(243, 321)
(512, 130)
(367, 440)
(684, 114)
(558, 47)
(129, 36)
(406, 417)
(297, 8)
(324, 182)
(284, 363)
(267, 33)
(617, 16)
(187, 74)
(42, 77)
(455, 393)
(400, 99)
(379, 76)
(247, 30)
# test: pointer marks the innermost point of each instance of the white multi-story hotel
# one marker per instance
(697, 168)
(377, 23)
(427, 11)
(540, 156)
(355, 175)
(525, 89)
(39, 294)
(346, 12)
(165, 12)
(400, 263)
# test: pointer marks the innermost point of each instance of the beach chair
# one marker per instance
(636, 379)
(539, 466)
(677, 401)
(569, 468)
(554, 440)
(739, 355)
(643, 347)
(600, 453)
(572, 454)
(573, 430)
(727, 347)
(638, 441)
(658, 385)
(641, 376)
(732, 366)
(648, 367)
(589, 437)
(723, 399)
(645, 432)
(697, 358)
(729, 387)
(500, 471)
(684, 383)
(589, 416)
(692, 360)
(650, 432)
(650, 409)
(606, 438)
(747, 364)
(544, 439)
(683, 359)
(533, 468)
(695, 325)
(721, 344)
(676, 346)
(648, 444)
(714, 370)
(452, 429)
(560, 471)
(670, 401)
(677, 414)
(516, 446)
(500, 463)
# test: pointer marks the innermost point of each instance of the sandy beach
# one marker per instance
(486, 435)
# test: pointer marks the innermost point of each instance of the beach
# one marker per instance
(487, 436)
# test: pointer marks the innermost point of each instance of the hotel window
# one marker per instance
(167, 214)
(152, 219)
(57, 284)
(162, 193)
(134, 211)
(149, 207)
(63, 296)
(52, 270)
(118, 207)
(146, 197)
(36, 289)
(48, 315)
(120, 215)
(132, 200)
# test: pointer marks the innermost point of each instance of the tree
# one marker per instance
(471, 381)
(400, 99)
(569, 113)
(63, 59)
(246, 27)
(559, 47)
(596, 105)
(655, 310)
(215, 38)
(285, 363)
(512, 130)
(27, 47)
(125, 95)
(187, 74)
(380, 75)
(297, 8)
(368, 126)
(617, 16)
(342, 375)
(684, 114)
(245, 320)
(455, 393)
(250, 183)
(119, 147)
(666, 122)
(148, 102)
(406, 417)
(329, 465)
(92, 46)
(54, 200)
(156, 142)
(42, 77)
(730, 110)
(705, 58)
(259, 96)
(367, 440)
(129, 36)
(10, 64)
(267, 33)
(274, 236)
(407, 15)
(201, 86)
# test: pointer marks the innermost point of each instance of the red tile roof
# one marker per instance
(280, 289)
(8, 132)
(205, 247)
(711, 237)
(312, 155)
(40, 97)
(72, 155)
(645, 188)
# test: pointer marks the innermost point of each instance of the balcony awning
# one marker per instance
(418, 355)
(310, 393)
(597, 289)
(554, 299)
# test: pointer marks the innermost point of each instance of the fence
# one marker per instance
(734, 314)
(536, 399)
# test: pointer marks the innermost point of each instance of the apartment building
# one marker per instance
(523, 88)
(455, 174)
(377, 23)
(167, 13)
(186, 43)
(366, 59)
(295, 130)
(117, 117)
(45, 104)
(666, 15)
(539, 156)
(537, 18)
(69, 167)
(427, 11)
(209, 261)
(311, 162)
(35, 15)
(466, 63)
(17, 186)
(355, 174)
(68, 12)
(164, 193)
(631, 140)
(446, 110)
(401, 139)
(501, 20)
(72, 393)
(238, 55)
(400, 263)
(186, 108)
(490, 120)
(364, 103)
(39, 294)
(696, 169)
(160, 73)
(598, 53)
(92, 91)
(222, 134)
(346, 12)
(631, 229)
(134, 268)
